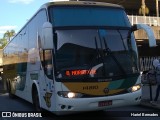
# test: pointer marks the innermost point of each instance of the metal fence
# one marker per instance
(151, 21)
(154, 22)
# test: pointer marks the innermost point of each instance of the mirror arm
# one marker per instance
(148, 30)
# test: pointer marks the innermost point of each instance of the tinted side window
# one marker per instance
(32, 28)
(41, 19)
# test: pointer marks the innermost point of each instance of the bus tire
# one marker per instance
(11, 95)
(35, 98)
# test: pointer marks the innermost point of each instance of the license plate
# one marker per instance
(104, 103)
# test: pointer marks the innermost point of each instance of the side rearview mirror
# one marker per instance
(149, 31)
(47, 34)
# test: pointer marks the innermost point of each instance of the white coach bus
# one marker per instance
(75, 56)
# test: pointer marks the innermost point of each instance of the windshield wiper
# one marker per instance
(108, 51)
(97, 50)
(122, 40)
(98, 55)
(102, 55)
(130, 54)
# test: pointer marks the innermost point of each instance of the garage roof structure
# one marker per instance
(132, 6)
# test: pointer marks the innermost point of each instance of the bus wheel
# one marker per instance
(36, 100)
(11, 95)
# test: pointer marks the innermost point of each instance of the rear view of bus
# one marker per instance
(77, 56)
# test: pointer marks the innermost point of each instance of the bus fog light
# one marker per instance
(134, 88)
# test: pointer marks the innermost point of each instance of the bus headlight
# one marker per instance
(71, 95)
(134, 88)
(66, 94)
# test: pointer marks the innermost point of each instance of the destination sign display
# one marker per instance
(79, 72)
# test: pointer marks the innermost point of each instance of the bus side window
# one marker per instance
(48, 63)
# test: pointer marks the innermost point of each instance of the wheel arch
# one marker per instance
(35, 86)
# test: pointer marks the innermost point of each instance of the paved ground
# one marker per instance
(146, 96)
(1, 87)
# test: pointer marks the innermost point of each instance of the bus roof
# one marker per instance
(80, 3)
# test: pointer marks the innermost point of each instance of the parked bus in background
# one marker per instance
(75, 56)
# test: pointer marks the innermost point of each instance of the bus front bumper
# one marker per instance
(98, 103)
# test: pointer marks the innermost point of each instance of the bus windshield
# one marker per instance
(94, 53)
(92, 42)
